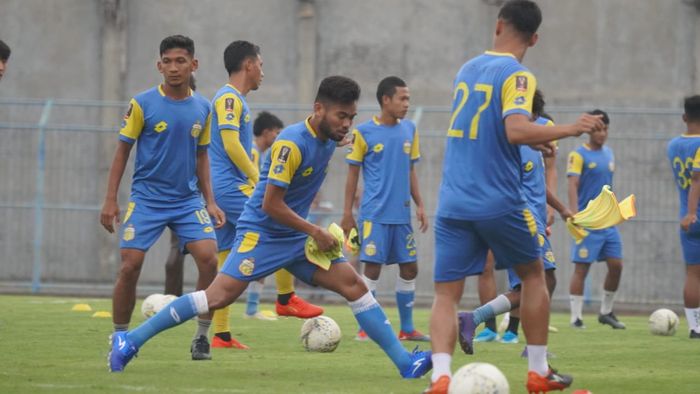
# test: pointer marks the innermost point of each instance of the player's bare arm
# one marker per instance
(204, 184)
(693, 198)
(573, 193)
(521, 131)
(348, 221)
(554, 202)
(275, 206)
(420, 208)
(110, 207)
(550, 174)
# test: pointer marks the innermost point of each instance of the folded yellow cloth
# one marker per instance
(602, 212)
(324, 259)
(352, 243)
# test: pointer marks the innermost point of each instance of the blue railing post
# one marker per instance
(39, 196)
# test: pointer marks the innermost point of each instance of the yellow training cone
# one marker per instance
(101, 314)
(324, 259)
(81, 308)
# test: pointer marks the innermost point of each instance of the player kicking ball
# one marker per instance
(272, 231)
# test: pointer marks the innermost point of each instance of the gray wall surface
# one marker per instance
(618, 54)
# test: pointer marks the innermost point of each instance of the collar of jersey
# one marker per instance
(308, 127)
(378, 123)
(588, 147)
(690, 135)
(494, 53)
(162, 93)
(234, 88)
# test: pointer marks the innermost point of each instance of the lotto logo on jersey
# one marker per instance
(521, 83)
(247, 266)
(283, 156)
(307, 171)
(247, 118)
(160, 127)
(228, 104)
(529, 166)
(592, 165)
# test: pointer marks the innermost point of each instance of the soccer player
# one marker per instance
(171, 177)
(386, 149)
(481, 203)
(684, 156)
(4, 57)
(234, 175)
(272, 232)
(590, 167)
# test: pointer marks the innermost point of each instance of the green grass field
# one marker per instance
(45, 347)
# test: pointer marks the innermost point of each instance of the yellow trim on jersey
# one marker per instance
(256, 157)
(162, 92)
(238, 155)
(366, 229)
(517, 93)
(690, 135)
(494, 53)
(358, 148)
(696, 160)
(285, 159)
(223, 111)
(133, 121)
(311, 129)
(415, 146)
(575, 165)
(250, 241)
(129, 211)
(205, 136)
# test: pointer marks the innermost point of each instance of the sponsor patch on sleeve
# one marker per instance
(283, 156)
(521, 83)
(228, 104)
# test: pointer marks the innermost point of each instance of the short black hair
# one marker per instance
(538, 103)
(236, 52)
(524, 15)
(547, 116)
(691, 105)
(264, 121)
(177, 41)
(387, 87)
(338, 90)
(4, 51)
(606, 118)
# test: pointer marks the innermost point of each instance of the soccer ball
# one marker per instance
(320, 334)
(663, 322)
(478, 378)
(151, 305)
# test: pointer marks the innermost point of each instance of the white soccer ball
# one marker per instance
(663, 322)
(478, 378)
(151, 305)
(320, 334)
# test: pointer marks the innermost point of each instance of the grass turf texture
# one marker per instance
(46, 347)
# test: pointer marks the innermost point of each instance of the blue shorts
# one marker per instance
(387, 243)
(256, 255)
(547, 259)
(232, 205)
(461, 245)
(143, 225)
(690, 243)
(599, 245)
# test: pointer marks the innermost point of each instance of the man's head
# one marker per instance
(177, 62)
(266, 128)
(393, 96)
(692, 109)
(599, 136)
(244, 56)
(520, 17)
(4, 57)
(336, 106)
(537, 104)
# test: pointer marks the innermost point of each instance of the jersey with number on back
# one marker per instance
(386, 154)
(594, 168)
(481, 176)
(298, 162)
(230, 114)
(684, 156)
(169, 133)
(534, 182)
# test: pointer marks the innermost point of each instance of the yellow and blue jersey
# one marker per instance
(169, 133)
(230, 114)
(534, 184)
(481, 173)
(595, 168)
(298, 162)
(386, 154)
(684, 156)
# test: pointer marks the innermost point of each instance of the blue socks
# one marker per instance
(405, 294)
(254, 289)
(482, 313)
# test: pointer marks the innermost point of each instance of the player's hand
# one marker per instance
(550, 217)
(422, 219)
(347, 140)
(566, 214)
(548, 149)
(347, 223)
(548, 231)
(109, 214)
(588, 123)
(324, 239)
(216, 214)
(687, 221)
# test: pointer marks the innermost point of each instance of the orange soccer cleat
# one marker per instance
(537, 383)
(232, 343)
(414, 335)
(439, 386)
(298, 307)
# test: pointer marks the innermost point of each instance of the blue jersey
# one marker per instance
(230, 114)
(386, 154)
(684, 156)
(481, 176)
(534, 182)
(169, 133)
(595, 169)
(298, 162)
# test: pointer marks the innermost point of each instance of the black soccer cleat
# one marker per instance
(694, 335)
(611, 320)
(200, 348)
(578, 324)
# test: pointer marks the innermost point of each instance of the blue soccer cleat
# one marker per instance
(421, 363)
(121, 353)
(486, 335)
(509, 337)
(466, 331)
